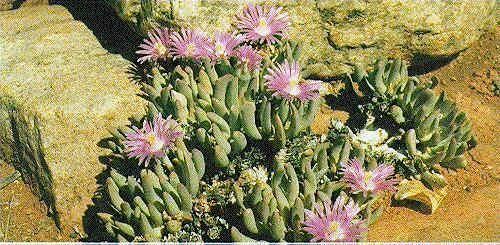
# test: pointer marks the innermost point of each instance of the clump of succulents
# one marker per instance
(225, 152)
(231, 90)
(433, 131)
(229, 108)
(305, 175)
(160, 201)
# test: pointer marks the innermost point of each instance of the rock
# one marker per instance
(59, 90)
(12, 4)
(337, 34)
(5, 5)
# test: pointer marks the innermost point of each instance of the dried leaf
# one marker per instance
(416, 191)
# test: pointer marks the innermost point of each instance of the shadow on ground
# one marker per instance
(423, 64)
(93, 226)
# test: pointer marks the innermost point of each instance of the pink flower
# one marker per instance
(189, 44)
(376, 181)
(285, 81)
(327, 223)
(154, 48)
(248, 55)
(224, 45)
(153, 140)
(259, 24)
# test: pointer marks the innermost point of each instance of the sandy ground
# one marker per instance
(470, 212)
(22, 216)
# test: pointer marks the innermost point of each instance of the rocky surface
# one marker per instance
(12, 4)
(59, 90)
(337, 34)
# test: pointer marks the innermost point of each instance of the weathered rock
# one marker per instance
(337, 34)
(10, 4)
(59, 90)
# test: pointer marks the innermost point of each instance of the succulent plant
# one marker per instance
(271, 211)
(227, 106)
(435, 131)
(244, 104)
(303, 174)
(155, 204)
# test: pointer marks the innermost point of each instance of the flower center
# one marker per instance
(334, 226)
(334, 232)
(160, 49)
(263, 28)
(191, 49)
(368, 180)
(155, 143)
(293, 87)
(220, 49)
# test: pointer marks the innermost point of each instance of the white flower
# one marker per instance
(376, 141)
(372, 138)
(253, 175)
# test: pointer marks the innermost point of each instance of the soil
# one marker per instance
(470, 212)
(22, 217)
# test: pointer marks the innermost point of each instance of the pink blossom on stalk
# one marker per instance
(248, 55)
(376, 181)
(286, 81)
(153, 140)
(260, 24)
(189, 44)
(337, 223)
(154, 48)
(224, 45)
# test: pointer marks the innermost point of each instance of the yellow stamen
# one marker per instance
(191, 49)
(334, 226)
(160, 48)
(220, 49)
(293, 87)
(263, 28)
(335, 231)
(154, 142)
(368, 177)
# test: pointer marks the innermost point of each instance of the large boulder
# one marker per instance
(337, 34)
(59, 90)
